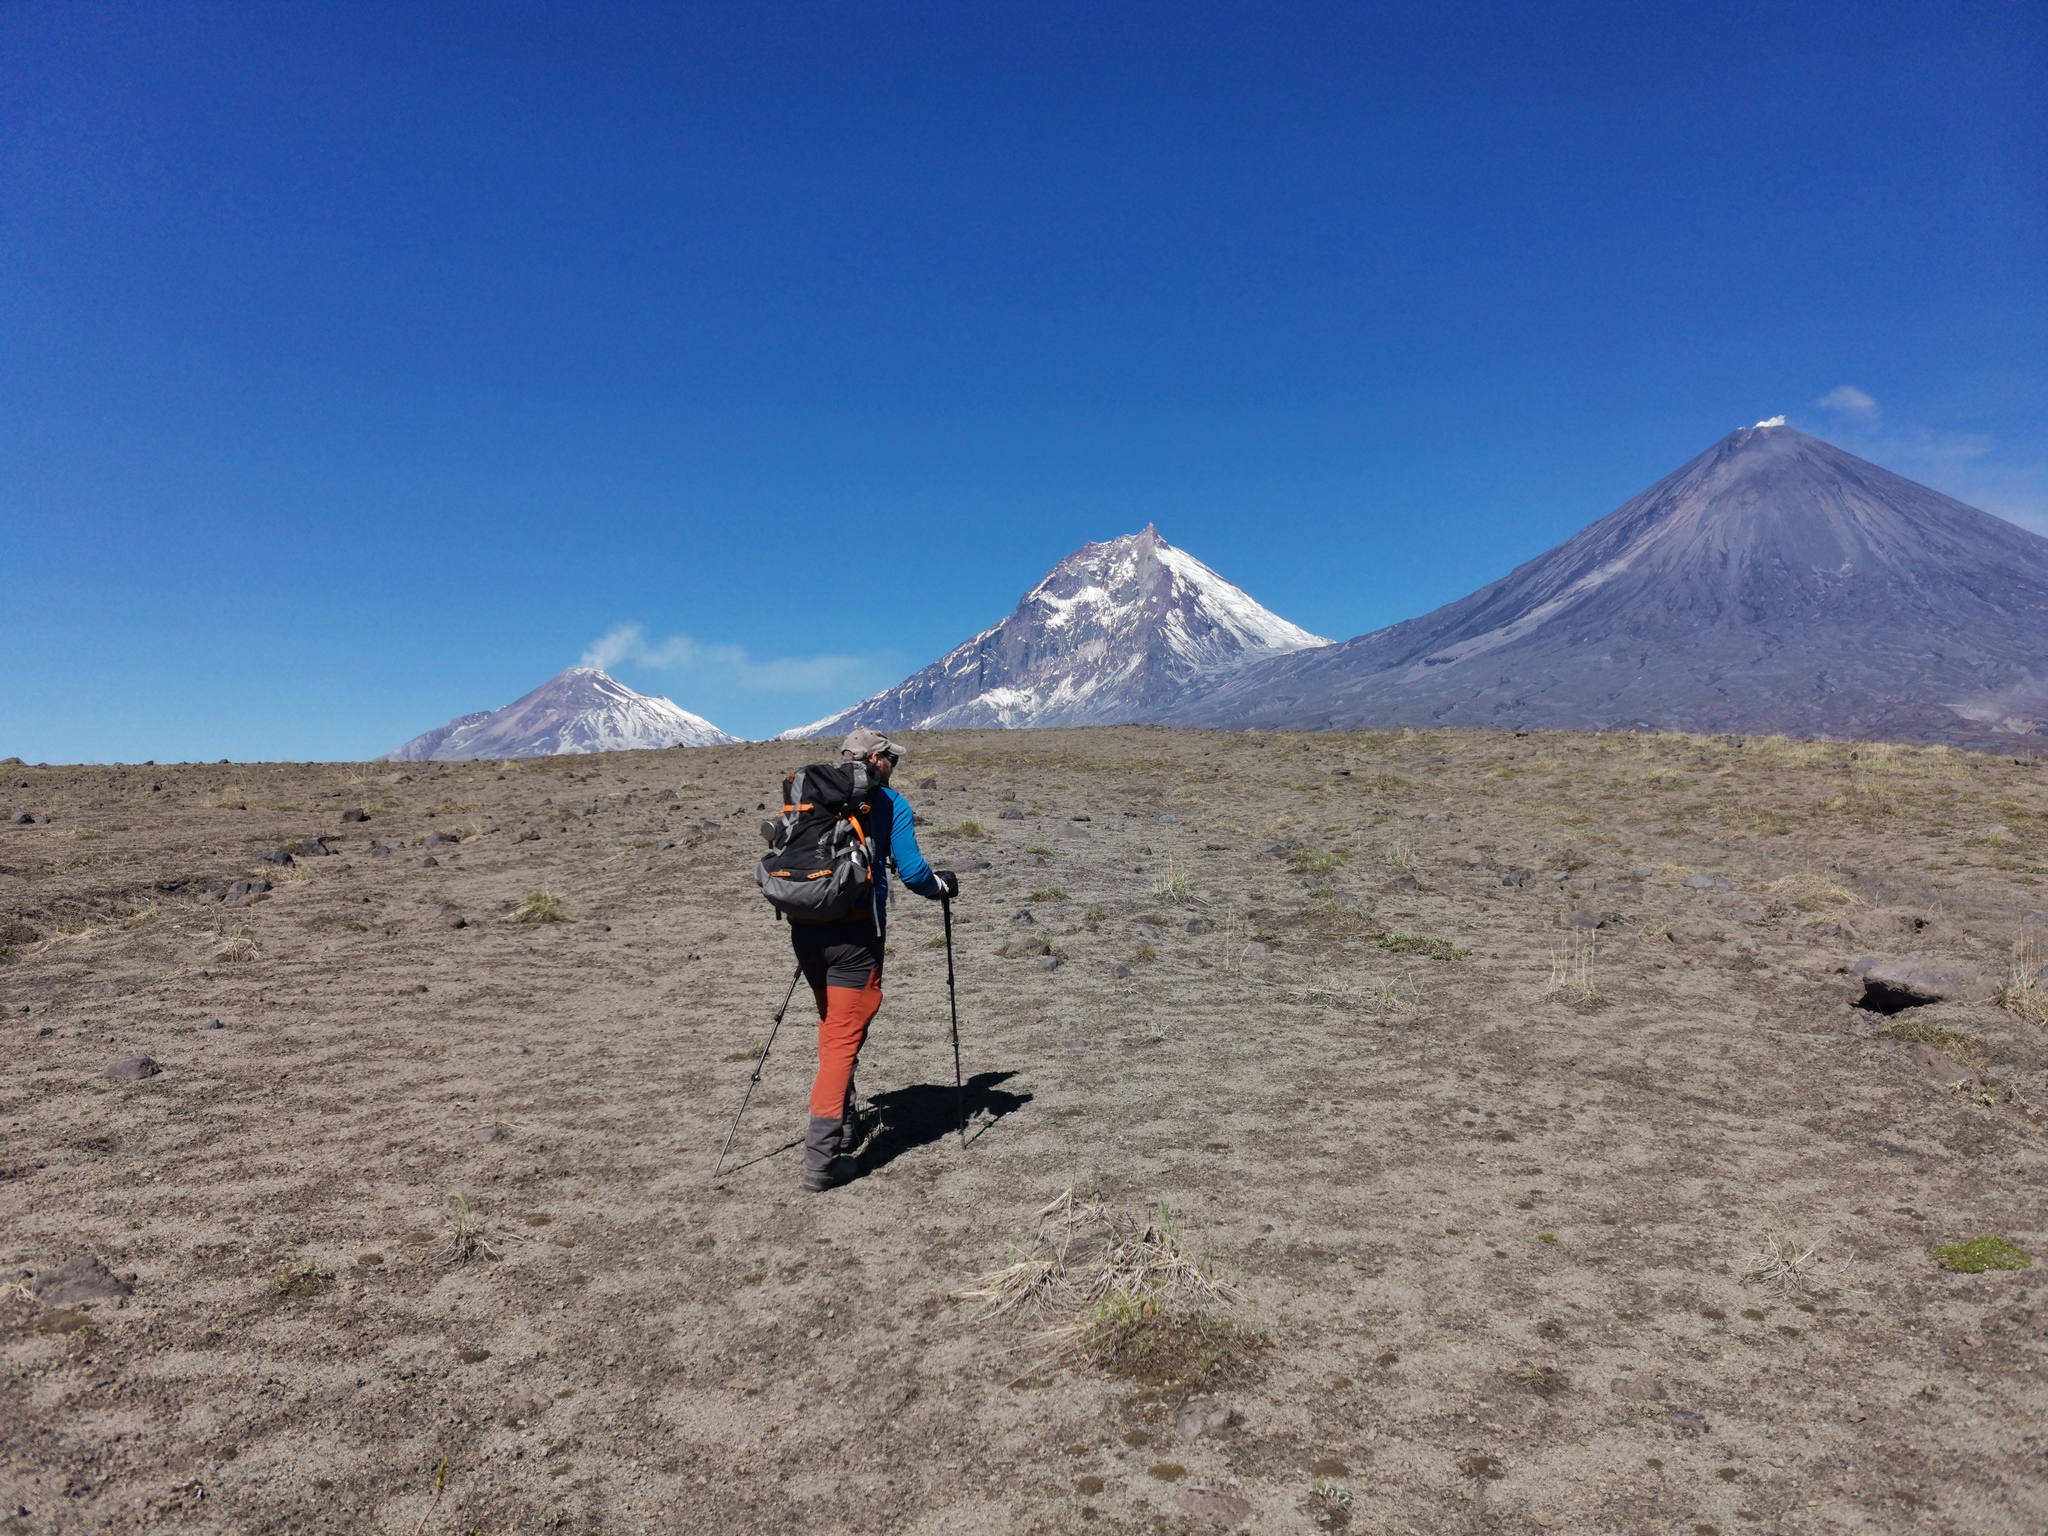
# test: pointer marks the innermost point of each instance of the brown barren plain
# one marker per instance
(1489, 1217)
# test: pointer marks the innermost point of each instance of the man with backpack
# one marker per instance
(842, 828)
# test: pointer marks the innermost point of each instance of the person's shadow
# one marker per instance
(923, 1113)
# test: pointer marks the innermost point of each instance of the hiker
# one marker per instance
(842, 961)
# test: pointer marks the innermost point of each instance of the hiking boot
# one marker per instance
(824, 1166)
(841, 1170)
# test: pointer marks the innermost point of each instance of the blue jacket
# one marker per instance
(894, 839)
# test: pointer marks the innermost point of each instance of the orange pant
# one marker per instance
(844, 1014)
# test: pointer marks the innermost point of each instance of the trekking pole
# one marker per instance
(758, 1065)
(953, 1002)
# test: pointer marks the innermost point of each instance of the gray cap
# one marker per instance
(866, 743)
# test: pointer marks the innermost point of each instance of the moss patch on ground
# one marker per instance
(1982, 1253)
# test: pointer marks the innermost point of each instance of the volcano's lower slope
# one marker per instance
(1492, 1187)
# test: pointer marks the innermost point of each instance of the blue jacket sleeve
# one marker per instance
(909, 859)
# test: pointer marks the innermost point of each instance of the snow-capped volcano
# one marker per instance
(580, 710)
(1774, 584)
(1116, 634)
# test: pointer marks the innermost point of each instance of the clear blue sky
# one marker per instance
(364, 364)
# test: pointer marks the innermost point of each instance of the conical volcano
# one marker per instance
(1773, 584)
(1116, 633)
(580, 710)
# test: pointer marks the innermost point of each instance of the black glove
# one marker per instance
(949, 883)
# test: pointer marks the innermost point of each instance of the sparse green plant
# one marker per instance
(1039, 849)
(468, 1236)
(1144, 952)
(538, 907)
(88, 834)
(1335, 1497)
(1050, 893)
(299, 1277)
(1427, 945)
(1781, 1261)
(1038, 944)
(1959, 1046)
(970, 829)
(1175, 887)
(1316, 861)
(1981, 1253)
(1399, 856)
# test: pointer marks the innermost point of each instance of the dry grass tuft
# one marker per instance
(1571, 972)
(2021, 994)
(1959, 1046)
(1781, 1261)
(1811, 892)
(1139, 1301)
(236, 945)
(540, 907)
(468, 1237)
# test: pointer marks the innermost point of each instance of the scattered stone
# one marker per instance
(531, 835)
(1023, 915)
(355, 813)
(135, 1068)
(1200, 1416)
(22, 819)
(1123, 973)
(430, 862)
(435, 839)
(521, 1408)
(493, 1133)
(1584, 919)
(311, 848)
(213, 1024)
(1400, 883)
(1515, 877)
(663, 848)
(379, 851)
(242, 892)
(1214, 1505)
(276, 856)
(1080, 818)
(1641, 1389)
(82, 1277)
(1012, 814)
(1200, 925)
(1048, 962)
(1710, 883)
(929, 781)
(1686, 1422)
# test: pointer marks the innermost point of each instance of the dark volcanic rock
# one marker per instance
(135, 1068)
(356, 814)
(276, 856)
(1774, 584)
(243, 892)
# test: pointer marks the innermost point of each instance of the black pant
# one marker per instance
(840, 954)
